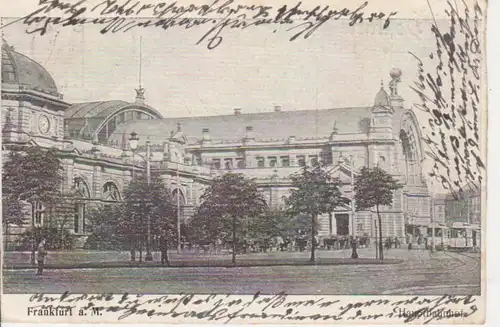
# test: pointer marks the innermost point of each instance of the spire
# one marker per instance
(382, 98)
(139, 92)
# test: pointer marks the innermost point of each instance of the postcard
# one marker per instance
(238, 162)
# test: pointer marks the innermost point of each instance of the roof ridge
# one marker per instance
(267, 112)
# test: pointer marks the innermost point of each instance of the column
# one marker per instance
(96, 181)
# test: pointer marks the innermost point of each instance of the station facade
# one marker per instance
(92, 141)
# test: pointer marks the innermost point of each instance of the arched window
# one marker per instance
(82, 194)
(110, 192)
(409, 153)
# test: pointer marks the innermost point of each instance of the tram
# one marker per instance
(460, 237)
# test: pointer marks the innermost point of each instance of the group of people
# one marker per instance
(392, 242)
(418, 239)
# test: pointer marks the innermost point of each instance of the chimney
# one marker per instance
(205, 135)
(249, 133)
(277, 108)
(237, 111)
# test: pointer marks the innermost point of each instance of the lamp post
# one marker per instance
(134, 142)
(353, 201)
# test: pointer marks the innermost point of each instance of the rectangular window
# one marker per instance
(301, 160)
(77, 218)
(285, 161)
(82, 217)
(216, 163)
(228, 164)
(38, 211)
(272, 161)
(260, 162)
(313, 160)
(240, 163)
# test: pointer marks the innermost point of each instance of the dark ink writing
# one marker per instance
(450, 97)
(122, 16)
(221, 308)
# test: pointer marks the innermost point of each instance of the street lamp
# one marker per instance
(134, 142)
(433, 221)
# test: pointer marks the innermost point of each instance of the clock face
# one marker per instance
(44, 124)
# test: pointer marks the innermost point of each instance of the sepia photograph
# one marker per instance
(230, 148)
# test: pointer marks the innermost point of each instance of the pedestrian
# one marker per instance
(41, 256)
(164, 249)
(397, 243)
(354, 246)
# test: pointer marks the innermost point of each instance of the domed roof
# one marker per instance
(382, 98)
(19, 69)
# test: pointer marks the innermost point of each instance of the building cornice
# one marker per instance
(23, 95)
(250, 147)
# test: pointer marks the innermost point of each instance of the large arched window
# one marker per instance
(411, 163)
(110, 192)
(82, 194)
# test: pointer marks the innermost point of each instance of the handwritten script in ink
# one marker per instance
(122, 16)
(221, 308)
(450, 96)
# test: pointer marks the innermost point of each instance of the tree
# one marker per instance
(143, 201)
(226, 203)
(374, 187)
(103, 228)
(30, 174)
(273, 222)
(315, 193)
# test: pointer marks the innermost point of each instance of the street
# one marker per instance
(422, 272)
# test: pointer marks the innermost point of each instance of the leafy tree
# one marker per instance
(315, 193)
(56, 239)
(226, 204)
(273, 222)
(143, 201)
(374, 187)
(103, 228)
(29, 174)
(32, 174)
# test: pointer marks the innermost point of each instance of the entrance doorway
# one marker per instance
(342, 223)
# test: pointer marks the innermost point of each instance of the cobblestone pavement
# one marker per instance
(422, 271)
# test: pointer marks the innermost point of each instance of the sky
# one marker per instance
(253, 69)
